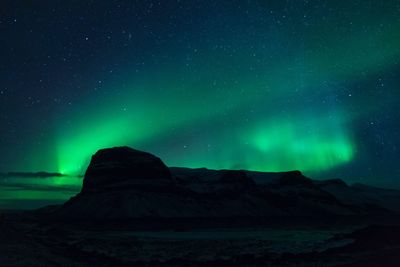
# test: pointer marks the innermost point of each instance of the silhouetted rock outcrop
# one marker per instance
(122, 183)
(124, 167)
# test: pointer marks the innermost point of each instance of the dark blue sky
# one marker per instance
(261, 85)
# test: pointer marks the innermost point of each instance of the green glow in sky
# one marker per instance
(302, 145)
(249, 101)
(260, 85)
(22, 192)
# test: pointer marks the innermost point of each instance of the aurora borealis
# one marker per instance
(258, 85)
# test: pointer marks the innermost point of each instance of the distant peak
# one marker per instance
(294, 178)
(338, 182)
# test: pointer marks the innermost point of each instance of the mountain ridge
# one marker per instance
(131, 184)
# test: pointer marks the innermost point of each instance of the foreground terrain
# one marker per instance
(27, 242)
(133, 210)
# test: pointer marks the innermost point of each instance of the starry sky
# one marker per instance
(258, 85)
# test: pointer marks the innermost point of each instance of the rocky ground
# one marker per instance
(25, 242)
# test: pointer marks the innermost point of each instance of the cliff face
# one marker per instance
(122, 167)
(123, 183)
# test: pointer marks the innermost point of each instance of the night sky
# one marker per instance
(258, 85)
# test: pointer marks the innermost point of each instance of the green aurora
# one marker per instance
(149, 107)
(257, 85)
